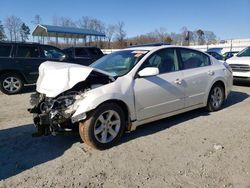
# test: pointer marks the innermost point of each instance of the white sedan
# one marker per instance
(126, 89)
(240, 65)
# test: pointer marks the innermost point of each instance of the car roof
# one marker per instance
(154, 48)
(78, 47)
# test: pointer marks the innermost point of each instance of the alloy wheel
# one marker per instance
(216, 97)
(12, 84)
(107, 126)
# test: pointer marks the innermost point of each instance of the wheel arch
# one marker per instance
(9, 71)
(220, 82)
(121, 104)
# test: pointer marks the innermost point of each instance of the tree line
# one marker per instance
(14, 29)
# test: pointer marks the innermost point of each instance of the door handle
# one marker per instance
(178, 81)
(211, 73)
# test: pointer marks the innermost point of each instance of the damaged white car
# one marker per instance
(125, 89)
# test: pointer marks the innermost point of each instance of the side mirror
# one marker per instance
(148, 71)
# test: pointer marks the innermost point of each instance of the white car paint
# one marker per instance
(237, 62)
(57, 77)
(147, 98)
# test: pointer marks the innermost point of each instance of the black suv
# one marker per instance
(19, 63)
(83, 55)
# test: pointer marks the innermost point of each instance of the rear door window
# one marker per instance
(95, 51)
(5, 50)
(81, 52)
(193, 59)
(26, 51)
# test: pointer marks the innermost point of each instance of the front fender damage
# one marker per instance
(53, 115)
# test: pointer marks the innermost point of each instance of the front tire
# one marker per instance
(216, 98)
(104, 127)
(11, 83)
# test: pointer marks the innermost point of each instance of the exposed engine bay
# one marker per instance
(53, 114)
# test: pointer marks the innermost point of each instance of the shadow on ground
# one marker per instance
(19, 151)
(234, 97)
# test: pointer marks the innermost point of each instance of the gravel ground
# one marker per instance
(195, 149)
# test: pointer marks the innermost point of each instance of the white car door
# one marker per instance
(163, 93)
(197, 75)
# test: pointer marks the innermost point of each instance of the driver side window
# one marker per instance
(50, 52)
(165, 60)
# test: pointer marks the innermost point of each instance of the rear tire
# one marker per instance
(216, 98)
(11, 83)
(104, 127)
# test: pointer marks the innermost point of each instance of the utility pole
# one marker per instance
(231, 46)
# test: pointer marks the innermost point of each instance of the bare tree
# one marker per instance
(176, 38)
(200, 34)
(185, 36)
(2, 32)
(24, 32)
(161, 34)
(55, 21)
(63, 21)
(91, 23)
(110, 33)
(37, 19)
(13, 25)
(120, 34)
(210, 37)
(67, 22)
(86, 22)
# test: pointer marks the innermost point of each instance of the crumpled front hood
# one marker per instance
(57, 77)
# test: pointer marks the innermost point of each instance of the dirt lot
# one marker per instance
(195, 149)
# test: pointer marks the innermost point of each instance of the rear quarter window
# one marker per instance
(5, 50)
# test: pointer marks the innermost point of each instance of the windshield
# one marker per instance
(119, 63)
(244, 53)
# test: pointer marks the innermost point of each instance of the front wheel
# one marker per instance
(104, 127)
(11, 83)
(216, 98)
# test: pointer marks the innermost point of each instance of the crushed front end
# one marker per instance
(61, 87)
(53, 115)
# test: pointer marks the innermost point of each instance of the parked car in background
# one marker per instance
(216, 55)
(240, 65)
(83, 55)
(218, 50)
(230, 54)
(19, 63)
(126, 89)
